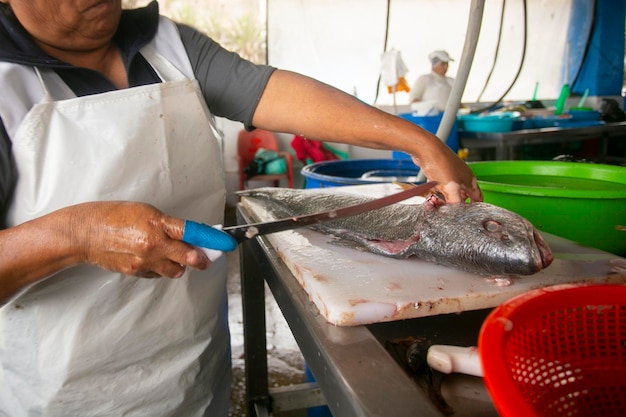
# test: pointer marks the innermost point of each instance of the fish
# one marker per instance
(476, 237)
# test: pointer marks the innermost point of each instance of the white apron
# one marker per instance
(88, 342)
(438, 89)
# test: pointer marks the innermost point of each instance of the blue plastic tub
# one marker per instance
(321, 410)
(488, 123)
(552, 121)
(358, 171)
(430, 124)
(564, 121)
(586, 115)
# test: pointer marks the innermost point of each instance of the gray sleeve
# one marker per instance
(231, 85)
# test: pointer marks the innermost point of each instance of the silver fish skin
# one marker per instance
(476, 237)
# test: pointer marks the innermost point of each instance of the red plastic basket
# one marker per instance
(557, 351)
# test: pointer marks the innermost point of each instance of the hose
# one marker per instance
(519, 69)
(384, 45)
(496, 54)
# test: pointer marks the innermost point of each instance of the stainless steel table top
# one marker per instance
(504, 142)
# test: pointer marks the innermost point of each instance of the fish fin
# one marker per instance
(348, 243)
(404, 185)
(372, 246)
(274, 207)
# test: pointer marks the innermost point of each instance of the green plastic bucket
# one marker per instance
(585, 203)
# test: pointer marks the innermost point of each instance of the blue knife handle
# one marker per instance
(209, 237)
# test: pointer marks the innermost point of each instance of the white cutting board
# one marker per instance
(352, 287)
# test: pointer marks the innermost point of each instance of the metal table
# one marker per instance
(505, 142)
(355, 374)
(375, 369)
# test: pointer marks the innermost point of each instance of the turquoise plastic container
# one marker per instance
(430, 124)
(358, 171)
(492, 123)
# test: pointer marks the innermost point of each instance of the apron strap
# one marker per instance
(164, 68)
(53, 86)
(168, 72)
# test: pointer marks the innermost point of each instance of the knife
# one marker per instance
(226, 238)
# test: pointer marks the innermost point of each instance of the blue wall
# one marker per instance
(596, 47)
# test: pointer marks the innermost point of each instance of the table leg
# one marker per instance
(255, 348)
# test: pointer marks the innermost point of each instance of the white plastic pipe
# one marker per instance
(455, 359)
(467, 57)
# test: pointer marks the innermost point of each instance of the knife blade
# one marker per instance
(226, 238)
(248, 231)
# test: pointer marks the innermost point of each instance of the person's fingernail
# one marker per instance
(180, 273)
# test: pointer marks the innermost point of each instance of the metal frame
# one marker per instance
(505, 142)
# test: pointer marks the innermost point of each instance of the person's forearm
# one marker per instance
(30, 252)
(126, 237)
(296, 104)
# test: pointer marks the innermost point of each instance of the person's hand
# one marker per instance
(457, 181)
(132, 238)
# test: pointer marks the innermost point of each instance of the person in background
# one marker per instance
(107, 146)
(435, 86)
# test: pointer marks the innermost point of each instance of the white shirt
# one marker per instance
(432, 87)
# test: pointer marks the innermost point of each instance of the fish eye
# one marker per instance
(492, 226)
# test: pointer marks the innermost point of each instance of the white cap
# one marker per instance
(439, 56)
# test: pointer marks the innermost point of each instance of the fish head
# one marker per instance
(495, 240)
